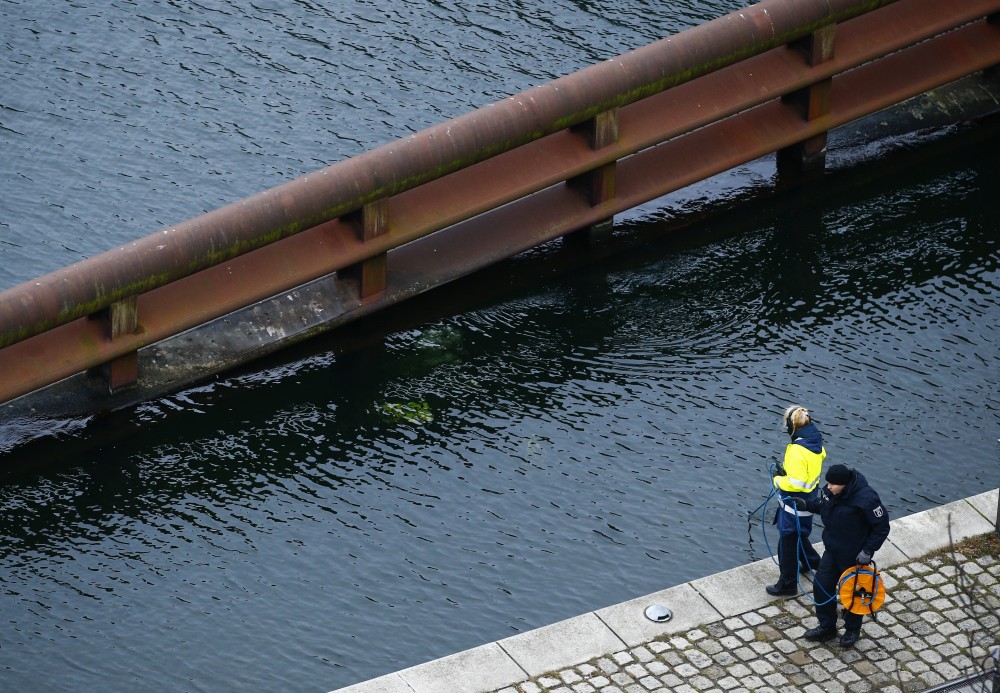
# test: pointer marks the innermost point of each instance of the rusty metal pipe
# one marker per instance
(222, 234)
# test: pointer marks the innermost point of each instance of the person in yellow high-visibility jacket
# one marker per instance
(798, 477)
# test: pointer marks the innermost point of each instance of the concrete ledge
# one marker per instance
(561, 644)
(629, 622)
(925, 532)
(480, 669)
(890, 554)
(738, 590)
(390, 683)
(986, 504)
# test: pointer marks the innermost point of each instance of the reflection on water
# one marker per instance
(518, 449)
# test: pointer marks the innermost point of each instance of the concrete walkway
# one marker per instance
(728, 635)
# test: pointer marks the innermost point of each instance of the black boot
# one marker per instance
(820, 634)
(776, 590)
(849, 638)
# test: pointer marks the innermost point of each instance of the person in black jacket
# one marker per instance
(855, 525)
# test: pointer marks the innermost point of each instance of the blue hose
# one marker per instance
(798, 531)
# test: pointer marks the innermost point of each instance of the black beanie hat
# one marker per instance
(838, 474)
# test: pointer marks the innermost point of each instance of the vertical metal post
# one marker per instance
(599, 185)
(372, 222)
(121, 318)
(813, 102)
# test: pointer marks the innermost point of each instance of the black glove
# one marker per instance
(797, 503)
(864, 558)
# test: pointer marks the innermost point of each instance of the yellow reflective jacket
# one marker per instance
(803, 461)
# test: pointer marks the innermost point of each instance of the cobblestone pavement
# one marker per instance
(938, 624)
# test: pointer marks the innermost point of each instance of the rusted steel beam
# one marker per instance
(116, 321)
(598, 185)
(373, 222)
(532, 220)
(563, 155)
(220, 235)
(411, 215)
(818, 49)
(713, 149)
(813, 102)
(898, 30)
(774, 125)
(122, 372)
(123, 319)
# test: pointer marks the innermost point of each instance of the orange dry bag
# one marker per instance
(862, 590)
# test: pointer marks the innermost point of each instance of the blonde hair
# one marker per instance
(798, 416)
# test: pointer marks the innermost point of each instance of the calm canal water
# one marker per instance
(523, 448)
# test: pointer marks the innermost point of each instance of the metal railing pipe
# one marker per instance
(222, 234)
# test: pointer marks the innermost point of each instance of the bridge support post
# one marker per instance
(808, 158)
(599, 185)
(120, 318)
(372, 221)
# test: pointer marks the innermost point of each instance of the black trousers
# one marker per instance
(791, 555)
(825, 584)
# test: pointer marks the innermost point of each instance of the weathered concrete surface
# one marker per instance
(482, 668)
(890, 554)
(689, 608)
(986, 504)
(922, 532)
(561, 644)
(728, 592)
(390, 683)
(972, 98)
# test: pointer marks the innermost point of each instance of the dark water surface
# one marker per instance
(502, 459)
